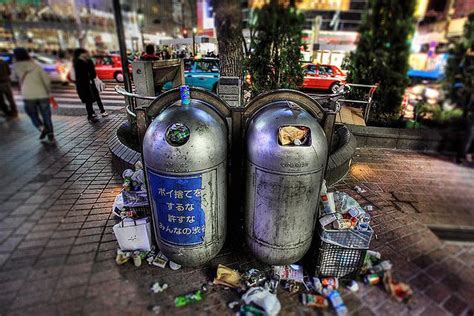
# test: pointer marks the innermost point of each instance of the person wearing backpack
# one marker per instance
(35, 87)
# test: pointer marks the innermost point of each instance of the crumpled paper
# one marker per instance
(288, 134)
(227, 276)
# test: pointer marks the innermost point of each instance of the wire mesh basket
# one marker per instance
(342, 252)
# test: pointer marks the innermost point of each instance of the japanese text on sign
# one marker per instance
(179, 217)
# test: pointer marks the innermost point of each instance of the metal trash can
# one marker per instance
(185, 155)
(282, 182)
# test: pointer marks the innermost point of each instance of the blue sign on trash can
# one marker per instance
(180, 218)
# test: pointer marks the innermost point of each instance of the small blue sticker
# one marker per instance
(179, 217)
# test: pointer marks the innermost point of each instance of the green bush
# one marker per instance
(382, 54)
(275, 49)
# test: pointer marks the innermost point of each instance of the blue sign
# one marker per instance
(179, 217)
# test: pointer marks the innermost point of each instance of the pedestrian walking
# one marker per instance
(6, 91)
(35, 88)
(86, 81)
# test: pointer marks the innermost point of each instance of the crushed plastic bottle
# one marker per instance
(186, 299)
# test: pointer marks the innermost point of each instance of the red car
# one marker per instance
(323, 77)
(108, 67)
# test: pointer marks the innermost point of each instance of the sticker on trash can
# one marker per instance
(178, 213)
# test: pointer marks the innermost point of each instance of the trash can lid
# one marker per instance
(285, 138)
(185, 139)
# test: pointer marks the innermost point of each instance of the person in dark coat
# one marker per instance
(84, 72)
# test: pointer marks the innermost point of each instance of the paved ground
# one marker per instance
(57, 250)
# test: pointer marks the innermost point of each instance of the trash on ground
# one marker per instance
(359, 189)
(337, 303)
(293, 135)
(353, 286)
(253, 277)
(312, 300)
(227, 276)
(157, 288)
(186, 299)
(399, 290)
(332, 282)
(155, 309)
(251, 310)
(134, 234)
(160, 260)
(264, 299)
(174, 266)
(289, 273)
(122, 257)
(372, 279)
(383, 266)
(137, 257)
(233, 304)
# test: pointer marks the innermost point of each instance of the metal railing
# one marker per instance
(369, 98)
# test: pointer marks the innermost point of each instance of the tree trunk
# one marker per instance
(228, 22)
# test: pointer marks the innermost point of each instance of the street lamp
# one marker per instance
(194, 40)
(141, 25)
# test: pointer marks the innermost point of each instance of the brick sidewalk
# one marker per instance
(57, 250)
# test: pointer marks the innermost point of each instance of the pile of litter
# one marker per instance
(259, 289)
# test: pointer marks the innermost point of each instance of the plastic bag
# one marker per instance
(344, 202)
(263, 298)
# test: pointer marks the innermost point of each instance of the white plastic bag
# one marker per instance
(263, 298)
(99, 84)
(133, 234)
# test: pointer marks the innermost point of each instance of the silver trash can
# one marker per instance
(185, 155)
(283, 179)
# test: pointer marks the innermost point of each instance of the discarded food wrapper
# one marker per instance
(264, 299)
(138, 165)
(272, 284)
(118, 206)
(381, 267)
(122, 257)
(327, 219)
(372, 279)
(227, 276)
(233, 304)
(253, 277)
(156, 309)
(359, 189)
(369, 208)
(318, 286)
(332, 282)
(399, 290)
(329, 207)
(157, 288)
(342, 224)
(289, 273)
(312, 300)
(186, 299)
(296, 135)
(353, 286)
(127, 173)
(134, 198)
(375, 254)
(160, 260)
(344, 202)
(174, 266)
(292, 286)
